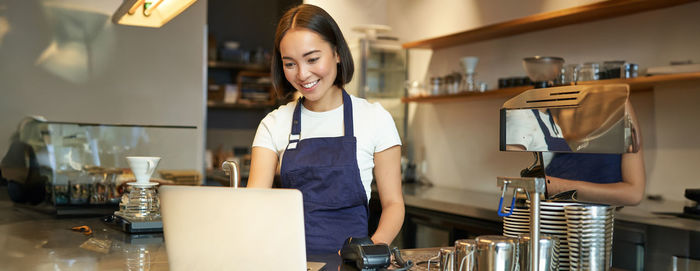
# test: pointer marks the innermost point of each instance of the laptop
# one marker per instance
(221, 228)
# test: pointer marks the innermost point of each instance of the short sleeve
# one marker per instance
(264, 135)
(386, 135)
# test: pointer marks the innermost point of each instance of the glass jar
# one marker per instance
(612, 69)
(629, 70)
(568, 74)
(588, 72)
(436, 86)
(79, 188)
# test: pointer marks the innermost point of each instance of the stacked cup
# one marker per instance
(590, 234)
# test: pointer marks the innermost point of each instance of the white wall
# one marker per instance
(349, 14)
(459, 140)
(66, 61)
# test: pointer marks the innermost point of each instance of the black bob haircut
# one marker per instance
(317, 20)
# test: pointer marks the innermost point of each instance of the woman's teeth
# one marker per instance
(309, 85)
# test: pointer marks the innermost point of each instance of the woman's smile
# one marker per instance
(310, 85)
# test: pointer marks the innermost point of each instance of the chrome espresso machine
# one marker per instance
(566, 119)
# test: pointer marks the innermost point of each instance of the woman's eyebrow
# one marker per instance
(311, 52)
(304, 55)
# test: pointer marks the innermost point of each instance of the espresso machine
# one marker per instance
(589, 119)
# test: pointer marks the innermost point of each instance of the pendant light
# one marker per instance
(149, 13)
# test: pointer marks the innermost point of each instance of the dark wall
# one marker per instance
(251, 23)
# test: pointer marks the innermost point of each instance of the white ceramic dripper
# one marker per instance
(143, 167)
(468, 63)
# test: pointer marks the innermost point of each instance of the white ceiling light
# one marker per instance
(149, 13)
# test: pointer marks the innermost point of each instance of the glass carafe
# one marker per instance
(140, 203)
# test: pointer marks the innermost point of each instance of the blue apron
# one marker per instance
(325, 170)
(589, 167)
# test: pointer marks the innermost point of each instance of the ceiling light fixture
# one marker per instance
(149, 13)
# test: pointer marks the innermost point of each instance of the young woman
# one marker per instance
(327, 144)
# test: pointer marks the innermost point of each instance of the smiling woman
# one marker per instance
(337, 143)
(316, 34)
(310, 66)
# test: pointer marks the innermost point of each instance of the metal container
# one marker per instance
(548, 256)
(465, 255)
(447, 259)
(496, 253)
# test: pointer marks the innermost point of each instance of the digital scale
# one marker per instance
(128, 226)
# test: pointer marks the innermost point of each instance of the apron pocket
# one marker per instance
(330, 186)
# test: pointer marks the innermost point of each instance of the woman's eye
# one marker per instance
(313, 60)
(289, 65)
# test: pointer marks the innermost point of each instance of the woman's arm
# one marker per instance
(263, 165)
(387, 171)
(628, 192)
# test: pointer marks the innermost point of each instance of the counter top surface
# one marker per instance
(35, 241)
(484, 205)
(30, 240)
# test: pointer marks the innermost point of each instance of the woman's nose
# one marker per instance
(303, 72)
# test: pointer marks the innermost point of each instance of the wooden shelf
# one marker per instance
(636, 84)
(647, 82)
(240, 66)
(547, 20)
(497, 93)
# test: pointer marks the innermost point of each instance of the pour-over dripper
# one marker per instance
(543, 69)
(468, 64)
(143, 167)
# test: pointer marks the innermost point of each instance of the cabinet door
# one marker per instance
(628, 246)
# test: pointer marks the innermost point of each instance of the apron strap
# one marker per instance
(555, 144)
(347, 115)
(295, 135)
(543, 126)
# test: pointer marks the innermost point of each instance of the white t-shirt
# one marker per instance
(374, 129)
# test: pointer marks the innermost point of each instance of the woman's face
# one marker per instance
(309, 63)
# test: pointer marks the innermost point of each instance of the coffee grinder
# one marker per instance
(543, 71)
(139, 209)
(592, 119)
